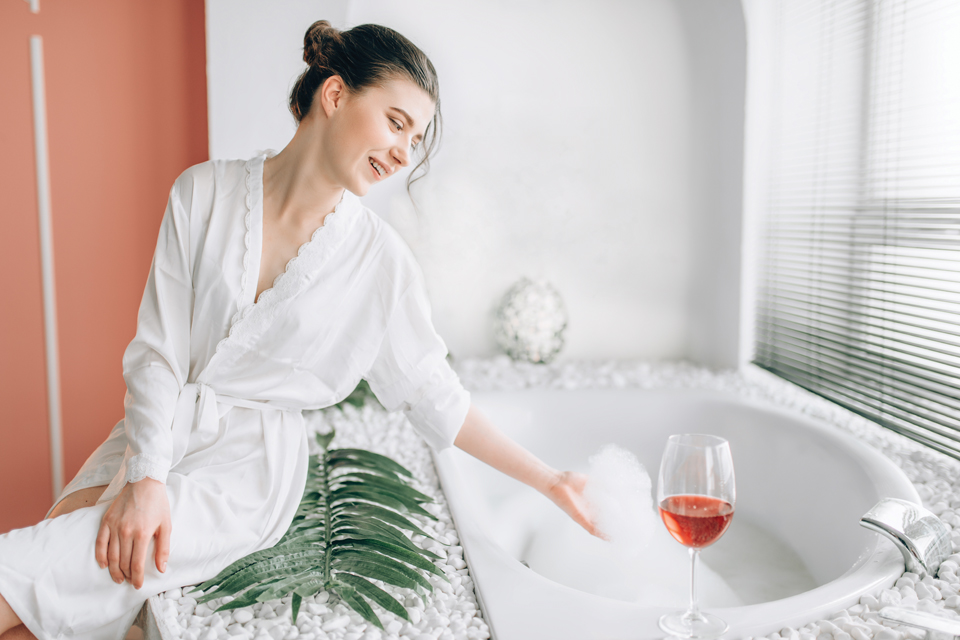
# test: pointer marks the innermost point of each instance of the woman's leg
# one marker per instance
(77, 500)
(9, 621)
(10, 626)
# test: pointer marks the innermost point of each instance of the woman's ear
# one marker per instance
(331, 94)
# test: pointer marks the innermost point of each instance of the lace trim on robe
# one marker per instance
(143, 466)
(299, 271)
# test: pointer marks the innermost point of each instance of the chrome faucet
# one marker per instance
(922, 537)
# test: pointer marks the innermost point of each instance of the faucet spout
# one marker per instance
(921, 537)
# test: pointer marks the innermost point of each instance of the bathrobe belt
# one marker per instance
(197, 404)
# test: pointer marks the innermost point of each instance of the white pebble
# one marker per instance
(926, 604)
(415, 615)
(909, 592)
(393, 626)
(953, 602)
(173, 594)
(858, 633)
(211, 634)
(292, 633)
(828, 627)
(322, 597)
(236, 630)
(888, 634)
(213, 621)
(336, 623)
(243, 616)
(890, 598)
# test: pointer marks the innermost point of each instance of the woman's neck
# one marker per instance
(294, 184)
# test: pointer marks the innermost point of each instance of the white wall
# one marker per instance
(592, 144)
(254, 54)
(716, 44)
(760, 17)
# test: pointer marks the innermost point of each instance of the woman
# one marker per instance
(272, 290)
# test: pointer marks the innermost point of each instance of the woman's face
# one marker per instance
(372, 134)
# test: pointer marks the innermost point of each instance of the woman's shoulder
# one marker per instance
(392, 250)
(206, 175)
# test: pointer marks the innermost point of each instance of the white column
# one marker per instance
(46, 262)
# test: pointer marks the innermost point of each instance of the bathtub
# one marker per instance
(803, 482)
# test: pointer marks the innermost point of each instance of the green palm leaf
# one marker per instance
(352, 526)
(375, 593)
(387, 549)
(361, 458)
(350, 596)
(367, 510)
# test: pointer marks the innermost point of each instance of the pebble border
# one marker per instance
(453, 613)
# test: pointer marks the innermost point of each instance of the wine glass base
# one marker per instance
(685, 624)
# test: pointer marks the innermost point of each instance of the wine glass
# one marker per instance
(696, 495)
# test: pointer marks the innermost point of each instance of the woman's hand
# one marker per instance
(567, 493)
(139, 513)
(481, 439)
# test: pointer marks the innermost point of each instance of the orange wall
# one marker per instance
(126, 105)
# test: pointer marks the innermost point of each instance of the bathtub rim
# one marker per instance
(514, 612)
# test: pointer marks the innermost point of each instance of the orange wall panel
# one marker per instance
(25, 480)
(126, 101)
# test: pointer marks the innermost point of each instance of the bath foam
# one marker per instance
(641, 562)
(619, 494)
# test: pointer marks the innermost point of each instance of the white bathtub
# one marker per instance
(804, 482)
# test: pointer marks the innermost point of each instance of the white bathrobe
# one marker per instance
(215, 388)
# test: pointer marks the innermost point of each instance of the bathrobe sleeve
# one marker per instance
(156, 362)
(411, 372)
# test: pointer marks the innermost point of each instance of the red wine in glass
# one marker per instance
(696, 521)
(696, 494)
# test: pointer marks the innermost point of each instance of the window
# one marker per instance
(859, 297)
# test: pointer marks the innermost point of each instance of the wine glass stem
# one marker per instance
(694, 612)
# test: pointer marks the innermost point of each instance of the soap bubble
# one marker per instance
(619, 495)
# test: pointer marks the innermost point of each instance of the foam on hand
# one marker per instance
(619, 493)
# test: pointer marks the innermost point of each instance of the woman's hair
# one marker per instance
(367, 55)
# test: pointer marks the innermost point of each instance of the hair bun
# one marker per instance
(317, 42)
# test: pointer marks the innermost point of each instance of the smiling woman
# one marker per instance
(367, 56)
(272, 290)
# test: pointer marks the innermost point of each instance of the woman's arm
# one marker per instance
(155, 366)
(483, 440)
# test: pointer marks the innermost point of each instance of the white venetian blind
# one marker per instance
(859, 297)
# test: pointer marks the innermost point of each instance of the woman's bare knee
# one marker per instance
(77, 500)
(8, 620)
(19, 632)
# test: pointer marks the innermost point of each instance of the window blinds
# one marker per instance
(859, 292)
